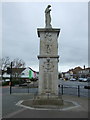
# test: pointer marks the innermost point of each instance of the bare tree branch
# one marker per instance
(18, 63)
(4, 63)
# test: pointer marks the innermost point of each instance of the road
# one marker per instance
(72, 83)
(71, 87)
(18, 93)
(9, 107)
(9, 101)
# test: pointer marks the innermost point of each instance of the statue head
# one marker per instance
(49, 6)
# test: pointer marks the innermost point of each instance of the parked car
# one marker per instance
(88, 79)
(72, 79)
(87, 87)
(82, 79)
(24, 84)
(7, 80)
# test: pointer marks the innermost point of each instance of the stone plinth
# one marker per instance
(48, 66)
(48, 99)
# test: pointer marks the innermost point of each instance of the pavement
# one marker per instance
(78, 112)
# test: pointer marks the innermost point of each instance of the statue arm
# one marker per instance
(47, 10)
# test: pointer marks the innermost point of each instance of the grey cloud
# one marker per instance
(20, 23)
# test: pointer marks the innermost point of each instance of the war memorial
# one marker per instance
(46, 100)
(48, 62)
(48, 96)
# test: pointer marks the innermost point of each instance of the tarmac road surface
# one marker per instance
(79, 112)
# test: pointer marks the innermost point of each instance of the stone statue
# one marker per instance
(48, 17)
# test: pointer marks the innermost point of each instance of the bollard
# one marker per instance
(62, 89)
(78, 91)
(59, 89)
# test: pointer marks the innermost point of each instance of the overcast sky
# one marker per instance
(19, 32)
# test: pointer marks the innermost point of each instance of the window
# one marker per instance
(23, 74)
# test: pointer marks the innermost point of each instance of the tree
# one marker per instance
(18, 63)
(4, 63)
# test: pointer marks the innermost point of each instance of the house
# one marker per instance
(16, 72)
(85, 72)
(65, 75)
(23, 73)
(72, 73)
(29, 73)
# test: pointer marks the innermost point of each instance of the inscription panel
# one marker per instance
(48, 44)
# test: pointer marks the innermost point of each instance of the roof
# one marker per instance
(75, 70)
(17, 70)
(32, 69)
(87, 68)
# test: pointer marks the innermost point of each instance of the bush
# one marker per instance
(33, 79)
(15, 82)
(5, 83)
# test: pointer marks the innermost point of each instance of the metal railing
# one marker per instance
(63, 90)
(74, 90)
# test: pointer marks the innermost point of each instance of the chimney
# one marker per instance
(84, 67)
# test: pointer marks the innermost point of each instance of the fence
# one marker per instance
(74, 90)
(63, 90)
